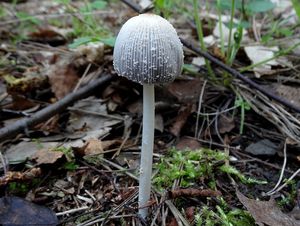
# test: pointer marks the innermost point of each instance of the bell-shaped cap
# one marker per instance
(148, 50)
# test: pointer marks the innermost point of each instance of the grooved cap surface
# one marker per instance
(148, 50)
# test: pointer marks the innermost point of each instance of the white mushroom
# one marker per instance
(147, 51)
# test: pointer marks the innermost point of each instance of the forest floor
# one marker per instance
(227, 139)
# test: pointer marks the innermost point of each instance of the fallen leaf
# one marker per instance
(90, 116)
(181, 119)
(92, 52)
(63, 78)
(172, 222)
(48, 35)
(92, 147)
(159, 123)
(190, 214)
(259, 54)
(188, 143)
(47, 156)
(17, 211)
(145, 3)
(266, 212)
(262, 147)
(20, 152)
(198, 61)
(225, 124)
(186, 91)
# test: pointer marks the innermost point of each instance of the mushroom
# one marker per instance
(148, 51)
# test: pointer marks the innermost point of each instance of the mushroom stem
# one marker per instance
(147, 148)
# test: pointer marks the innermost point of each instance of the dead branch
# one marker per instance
(53, 109)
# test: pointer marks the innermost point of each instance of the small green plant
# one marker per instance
(22, 187)
(18, 188)
(191, 166)
(201, 38)
(169, 7)
(296, 5)
(68, 153)
(2, 12)
(245, 106)
(223, 216)
(278, 29)
(71, 166)
(86, 28)
(26, 23)
(289, 198)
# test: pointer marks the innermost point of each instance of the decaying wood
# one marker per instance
(192, 192)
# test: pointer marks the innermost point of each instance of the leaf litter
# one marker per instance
(83, 163)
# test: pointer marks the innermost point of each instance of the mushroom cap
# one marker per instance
(148, 50)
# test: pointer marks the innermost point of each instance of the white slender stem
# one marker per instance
(147, 149)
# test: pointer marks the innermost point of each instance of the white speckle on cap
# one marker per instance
(148, 50)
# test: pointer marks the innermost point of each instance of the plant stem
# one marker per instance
(229, 47)
(147, 148)
(220, 24)
(201, 37)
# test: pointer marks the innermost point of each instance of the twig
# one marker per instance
(282, 172)
(192, 192)
(286, 182)
(53, 109)
(78, 110)
(177, 214)
(133, 5)
(120, 168)
(82, 77)
(261, 161)
(104, 218)
(199, 106)
(72, 211)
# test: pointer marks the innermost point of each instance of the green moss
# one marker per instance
(192, 166)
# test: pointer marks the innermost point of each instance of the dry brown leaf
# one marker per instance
(190, 214)
(225, 124)
(63, 78)
(186, 91)
(172, 222)
(92, 52)
(93, 147)
(45, 156)
(181, 119)
(188, 143)
(266, 212)
(47, 35)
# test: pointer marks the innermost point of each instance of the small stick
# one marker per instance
(53, 109)
(72, 211)
(282, 172)
(192, 192)
(199, 107)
